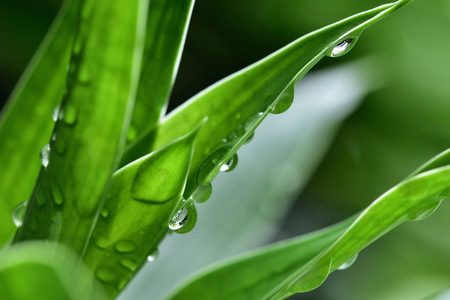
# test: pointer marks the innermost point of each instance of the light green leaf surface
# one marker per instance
(413, 199)
(90, 131)
(167, 25)
(26, 122)
(247, 205)
(244, 99)
(143, 197)
(45, 271)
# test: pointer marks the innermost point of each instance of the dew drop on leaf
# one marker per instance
(153, 255)
(250, 138)
(19, 213)
(184, 219)
(348, 263)
(106, 275)
(125, 246)
(202, 193)
(105, 212)
(102, 242)
(68, 114)
(129, 264)
(58, 144)
(342, 47)
(423, 211)
(55, 113)
(252, 121)
(284, 101)
(57, 194)
(230, 164)
(45, 155)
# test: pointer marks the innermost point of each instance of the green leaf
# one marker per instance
(143, 197)
(90, 131)
(252, 275)
(26, 122)
(413, 199)
(167, 25)
(251, 202)
(38, 270)
(243, 100)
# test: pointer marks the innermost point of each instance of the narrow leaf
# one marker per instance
(167, 25)
(143, 197)
(26, 122)
(89, 134)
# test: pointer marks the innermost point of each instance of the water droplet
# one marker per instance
(84, 75)
(55, 226)
(250, 138)
(107, 275)
(55, 113)
(105, 212)
(153, 255)
(57, 194)
(45, 155)
(184, 219)
(58, 144)
(125, 246)
(348, 263)
(202, 193)
(69, 114)
(230, 164)
(423, 211)
(210, 162)
(342, 47)
(238, 115)
(102, 242)
(19, 213)
(284, 101)
(132, 133)
(129, 264)
(40, 196)
(313, 278)
(252, 121)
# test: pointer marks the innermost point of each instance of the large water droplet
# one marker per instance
(55, 113)
(423, 211)
(107, 275)
(284, 101)
(252, 121)
(102, 242)
(184, 219)
(348, 263)
(125, 246)
(57, 194)
(19, 213)
(210, 162)
(45, 155)
(153, 255)
(69, 114)
(202, 193)
(230, 164)
(342, 47)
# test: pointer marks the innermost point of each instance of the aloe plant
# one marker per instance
(117, 174)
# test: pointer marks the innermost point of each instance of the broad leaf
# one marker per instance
(90, 130)
(167, 25)
(38, 270)
(143, 197)
(26, 122)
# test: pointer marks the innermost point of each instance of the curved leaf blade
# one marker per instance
(90, 132)
(26, 122)
(167, 25)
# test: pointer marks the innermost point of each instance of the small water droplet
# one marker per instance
(210, 162)
(224, 141)
(250, 138)
(102, 242)
(284, 101)
(125, 246)
(19, 213)
(55, 113)
(58, 144)
(40, 196)
(105, 212)
(184, 219)
(202, 193)
(129, 264)
(342, 47)
(45, 155)
(106, 274)
(141, 232)
(230, 164)
(348, 263)
(153, 255)
(252, 121)
(69, 114)
(57, 194)
(84, 75)
(132, 133)
(55, 226)
(238, 115)
(424, 211)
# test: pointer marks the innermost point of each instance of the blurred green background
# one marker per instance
(394, 130)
